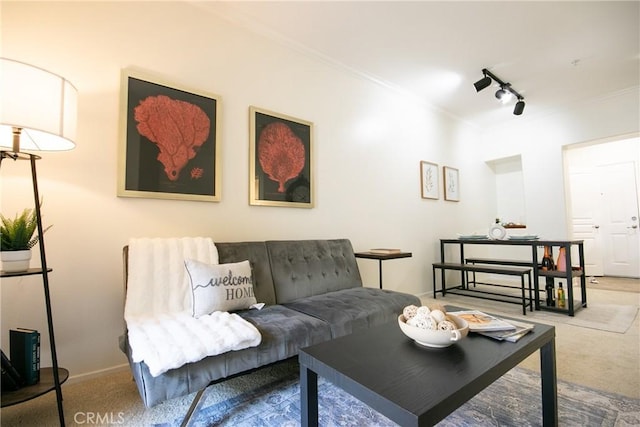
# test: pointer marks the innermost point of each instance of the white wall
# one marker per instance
(540, 142)
(368, 145)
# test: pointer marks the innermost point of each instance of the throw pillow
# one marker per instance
(220, 287)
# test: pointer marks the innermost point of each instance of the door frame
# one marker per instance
(567, 169)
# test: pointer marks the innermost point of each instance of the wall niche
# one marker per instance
(510, 207)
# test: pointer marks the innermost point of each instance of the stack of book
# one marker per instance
(385, 251)
(23, 368)
(493, 327)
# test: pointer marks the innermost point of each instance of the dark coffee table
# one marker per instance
(416, 386)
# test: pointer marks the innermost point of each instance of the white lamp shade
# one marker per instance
(42, 104)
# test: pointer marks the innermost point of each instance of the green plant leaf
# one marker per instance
(17, 234)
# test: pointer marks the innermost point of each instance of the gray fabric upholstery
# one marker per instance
(283, 331)
(256, 253)
(356, 309)
(313, 293)
(304, 268)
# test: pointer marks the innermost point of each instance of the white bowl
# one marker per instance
(432, 338)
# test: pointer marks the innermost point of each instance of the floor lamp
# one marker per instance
(38, 112)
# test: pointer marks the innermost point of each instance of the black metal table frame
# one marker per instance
(317, 360)
(382, 257)
(533, 244)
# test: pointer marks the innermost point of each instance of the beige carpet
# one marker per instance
(606, 317)
(621, 284)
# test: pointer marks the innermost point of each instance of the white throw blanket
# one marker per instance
(168, 341)
(161, 330)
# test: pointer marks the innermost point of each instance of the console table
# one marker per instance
(534, 244)
(382, 257)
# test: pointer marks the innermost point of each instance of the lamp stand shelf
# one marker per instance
(51, 378)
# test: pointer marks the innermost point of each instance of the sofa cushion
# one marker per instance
(256, 253)
(219, 287)
(284, 332)
(304, 268)
(356, 309)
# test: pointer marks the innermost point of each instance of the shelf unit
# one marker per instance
(50, 378)
(572, 305)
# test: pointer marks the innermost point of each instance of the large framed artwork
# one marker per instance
(281, 160)
(429, 180)
(451, 184)
(169, 144)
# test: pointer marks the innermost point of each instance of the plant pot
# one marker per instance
(15, 261)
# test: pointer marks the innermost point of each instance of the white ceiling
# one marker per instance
(555, 54)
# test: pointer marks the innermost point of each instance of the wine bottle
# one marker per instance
(547, 260)
(561, 299)
(549, 290)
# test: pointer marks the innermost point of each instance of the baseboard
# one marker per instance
(428, 294)
(74, 379)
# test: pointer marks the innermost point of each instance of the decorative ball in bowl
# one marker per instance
(432, 327)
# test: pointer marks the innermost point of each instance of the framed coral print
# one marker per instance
(451, 184)
(169, 144)
(429, 180)
(281, 160)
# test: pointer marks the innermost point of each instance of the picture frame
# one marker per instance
(157, 158)
(429, 186)
(451, 184)
(281, 170)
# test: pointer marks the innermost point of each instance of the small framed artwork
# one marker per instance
(281, 160)
(169, 144)
(451, 184)
(429, 180)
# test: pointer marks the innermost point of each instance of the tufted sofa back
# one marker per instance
(286, 270)
(303, 268)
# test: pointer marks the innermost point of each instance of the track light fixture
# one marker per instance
(504, 94)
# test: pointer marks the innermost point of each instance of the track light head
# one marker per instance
(482, 83)
(505, 94)
(519, 108)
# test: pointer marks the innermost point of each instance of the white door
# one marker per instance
(619, 225)
(586, 201)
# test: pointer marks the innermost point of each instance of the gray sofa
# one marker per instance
(313, 293)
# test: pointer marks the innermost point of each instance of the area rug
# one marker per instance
(513, 400)
(605, 317)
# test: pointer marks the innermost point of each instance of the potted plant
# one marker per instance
(18, 236)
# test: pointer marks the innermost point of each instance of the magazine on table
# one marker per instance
(521, 330)
(482, 322)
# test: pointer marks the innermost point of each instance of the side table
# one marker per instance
(382, 257)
